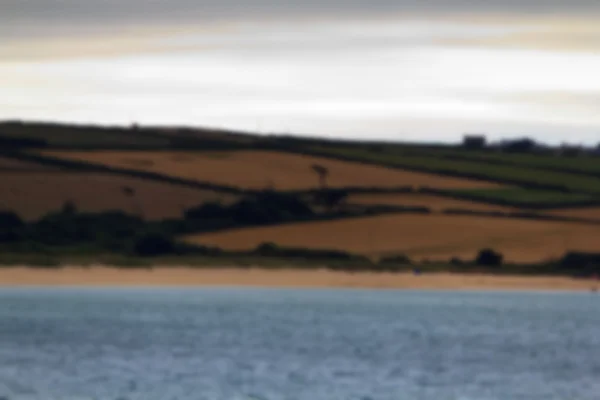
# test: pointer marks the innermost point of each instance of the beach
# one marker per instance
(280, 278)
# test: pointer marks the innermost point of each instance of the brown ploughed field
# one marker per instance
(267, 169)
(33, 194)
(434, 237)
(17, 165)
(592, 213)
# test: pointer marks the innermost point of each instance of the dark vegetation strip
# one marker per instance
(271, 256)
(117, 231)
(68, 233)
(19, 135)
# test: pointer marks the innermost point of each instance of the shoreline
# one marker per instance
(97, 276)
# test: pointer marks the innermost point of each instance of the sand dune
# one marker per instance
(265, 169)
(436, 237)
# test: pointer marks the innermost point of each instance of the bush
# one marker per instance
(263, 208)
(523, 145)
(153, 244)
(581, 263)
(207, 210)
(397, 259)
(267, 249)
(10, 227)
(489, 258)
(196, 250)
(273, 250)
(331, 198)
(457, 262)
(71, 228)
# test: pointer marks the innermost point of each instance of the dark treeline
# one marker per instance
(116, 231)
(70, 232)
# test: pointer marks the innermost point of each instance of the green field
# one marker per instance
(59, 136)
(582, 164)
(520, 175)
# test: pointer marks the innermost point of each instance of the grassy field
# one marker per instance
(514, 174)
(437, 237)
(83, 136)
(582, 164)
(33, 194)
(434, 203)
(267, 169)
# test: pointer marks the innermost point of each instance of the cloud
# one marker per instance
(578, 35)
(437, 75)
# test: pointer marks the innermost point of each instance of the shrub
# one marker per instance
(331, 198)
(196, 250)
(523, 145)
(10, 220)
(582, 263)
(397, 259)
(273, 250)
(489, 258)
(207, 210)
(10, 226)
(153, 244)
(267, 249)
(456, 261)
(263, 208)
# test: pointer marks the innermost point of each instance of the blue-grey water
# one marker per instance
(229, 344)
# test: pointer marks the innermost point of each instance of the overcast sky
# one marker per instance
(393, 69)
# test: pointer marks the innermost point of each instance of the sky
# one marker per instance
(405, 70)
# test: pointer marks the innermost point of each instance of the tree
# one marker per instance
(153, 244)
(322, 172)
(581, 263)
(10, 220)
(10, 226)
(69, 208)
(489, 258)
(208, 210)
(523, 145)
(331, 198)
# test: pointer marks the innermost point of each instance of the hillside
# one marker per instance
(219, 188)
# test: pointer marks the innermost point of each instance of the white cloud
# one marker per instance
(352, 78)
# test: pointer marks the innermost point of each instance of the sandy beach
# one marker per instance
(287, 278)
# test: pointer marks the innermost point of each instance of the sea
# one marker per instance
(272, 344)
